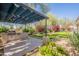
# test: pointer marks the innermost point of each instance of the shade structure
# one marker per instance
(19, 13)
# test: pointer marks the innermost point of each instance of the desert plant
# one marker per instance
(74, 39)
(30, 30)
(52, 50)
(77, 23)
(40, 27)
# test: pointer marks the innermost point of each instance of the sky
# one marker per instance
(64, 10)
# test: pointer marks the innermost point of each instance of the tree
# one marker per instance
(67, 25)
(61, 21)
(52, 20)
(43, 6)
(77, 23)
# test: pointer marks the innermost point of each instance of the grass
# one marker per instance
(59, 34)
(54, 35)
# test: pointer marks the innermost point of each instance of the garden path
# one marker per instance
(66, 44)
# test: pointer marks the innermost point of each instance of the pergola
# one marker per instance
(20, 14)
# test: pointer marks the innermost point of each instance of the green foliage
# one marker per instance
(74, 39)
(52, 50)
(10, 20)
(38, 35)
(54, 35)
(3, 29)
(26, 30)
(61, 21)
(29, 29)
(52, 20)
(59, 34)
(43, 7)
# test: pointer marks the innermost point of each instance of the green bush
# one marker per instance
(52, 50)
(29, 29)
(3, 29)
(26, 30)
(74, 39)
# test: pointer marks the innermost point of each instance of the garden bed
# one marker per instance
(63, 45)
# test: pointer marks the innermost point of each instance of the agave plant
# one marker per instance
(74, 38)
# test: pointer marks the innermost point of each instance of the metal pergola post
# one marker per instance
(46, 27)
(45, 38)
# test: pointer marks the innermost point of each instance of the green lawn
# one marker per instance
(54, 35)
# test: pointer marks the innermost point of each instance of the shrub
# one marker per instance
(26, 30)
(30, 30)
(55, 28)
(40, 28)
(3, 29)
(52, 50)
(74, 39)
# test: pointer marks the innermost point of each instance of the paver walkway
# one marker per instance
(20, 44)
(23, 46)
